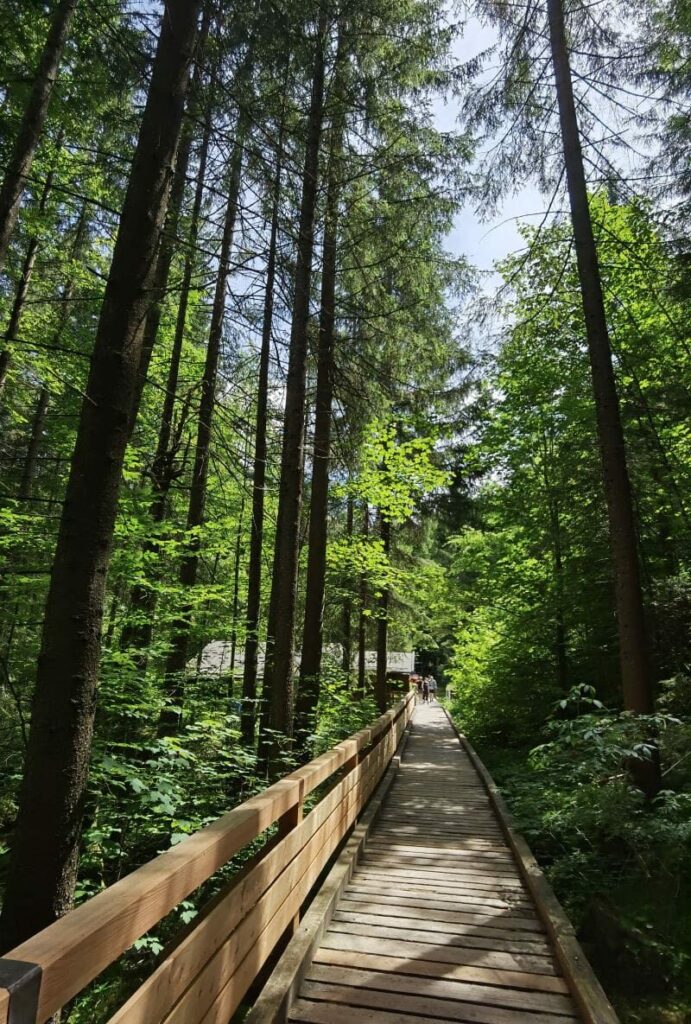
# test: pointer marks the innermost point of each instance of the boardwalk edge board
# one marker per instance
(585, 988)
(282, 988)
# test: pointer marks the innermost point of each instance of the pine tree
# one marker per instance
(29, 133)
(45, 847)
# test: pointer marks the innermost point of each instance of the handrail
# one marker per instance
(75, 949)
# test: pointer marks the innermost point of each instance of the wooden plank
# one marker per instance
(469, 939)
(156, 996)
(438, 881)
(217, 990)
(533, 971)
(426, 1006)
(225, 979)
(322, 1013)
(456, 901)
(282, 987)
(393, 818)
(467, 872)
(468, 865)
(73, 950)
(585, 986)
(465, 840)
(436, 867)
(412, 861)
(436, 910)
(427, 922)
(449, 900)
(437, 887)
(458, 851)
(418, 981)
(279, 870)
(442, 969)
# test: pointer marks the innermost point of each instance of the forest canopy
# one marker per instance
(254, 393)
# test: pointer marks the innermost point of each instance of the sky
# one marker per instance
(481, 241)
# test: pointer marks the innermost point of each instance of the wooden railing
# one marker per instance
(206, 975)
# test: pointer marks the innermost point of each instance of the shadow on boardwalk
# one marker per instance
(436, 924)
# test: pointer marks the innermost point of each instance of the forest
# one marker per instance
(263, 421)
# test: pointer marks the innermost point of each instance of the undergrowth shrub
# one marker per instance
(621, 865)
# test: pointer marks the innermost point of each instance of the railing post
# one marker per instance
(353, 762)
(286, 823)
(22, 981)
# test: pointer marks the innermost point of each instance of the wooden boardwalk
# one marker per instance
(403, 892)
(435, 924)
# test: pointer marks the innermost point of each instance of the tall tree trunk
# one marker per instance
(22, 290)
(36, 436)
(559, 623)
(347, 663)
(279, 654)
(9, 615)
(137, 634)
(169, 238)
(44, 859)
(22, 155)
(313, 630)
(174, 679)
(362, 619)
(383, 624)
(552, 499)
(633, 645)
(31, 460)
(240, 529)
(254, 571)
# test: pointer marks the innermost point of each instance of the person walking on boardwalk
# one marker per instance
(425, 690)
(432, 684)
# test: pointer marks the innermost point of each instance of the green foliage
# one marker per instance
(619, 864)
(498, 568)
(341, 712)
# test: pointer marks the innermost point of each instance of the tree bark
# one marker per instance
(383, 625)
(313, 630)
(44, 859)
(169, 237)
(559, 624)
(35, 439)
(347, 663)
(552, 501)
(24, 149)
(239, 531)
(279, 654)
(254, 571)
(137, 634)
(26, 485)
(633, 647)
(22, 290)
(174, 679)
(362, 619)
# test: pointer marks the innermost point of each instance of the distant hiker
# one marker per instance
(425, 690)
(432, 684)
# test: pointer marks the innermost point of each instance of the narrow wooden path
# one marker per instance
(436, 924)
